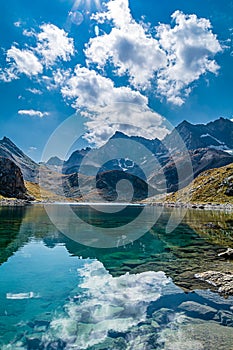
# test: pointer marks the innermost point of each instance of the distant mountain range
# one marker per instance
(216, 135)
(209, 146)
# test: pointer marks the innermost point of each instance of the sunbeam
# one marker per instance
(88, 4)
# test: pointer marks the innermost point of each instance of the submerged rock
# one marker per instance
(34, 343)
(110, 344)
(133, 263)
(198, 335)
(56, 345)
(224, 317)
(163, 316)
(224, 281)
(195, 309)
(215, 298)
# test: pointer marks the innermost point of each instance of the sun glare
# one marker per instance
(88, 4)
(79, 9)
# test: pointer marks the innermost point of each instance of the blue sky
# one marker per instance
(117, 64)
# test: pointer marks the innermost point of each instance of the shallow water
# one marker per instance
(59, 294)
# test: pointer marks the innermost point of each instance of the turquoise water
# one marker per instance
(59, 294)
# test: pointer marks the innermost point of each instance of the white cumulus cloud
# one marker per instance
(54, 43)
(129, 46)
(33, 113)
(190, 47)
(172, 59)
(23, 61)
(131, 119)
(91, 90)
(108, 108)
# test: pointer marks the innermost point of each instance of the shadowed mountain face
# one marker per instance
(108, 181)
(73, 163)
(132, 188)
(154, 145)
(11, 180)
(10, 151)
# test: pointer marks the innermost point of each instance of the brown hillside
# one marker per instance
(211, 186)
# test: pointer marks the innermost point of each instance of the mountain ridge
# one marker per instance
(203, 158)
(216, 134)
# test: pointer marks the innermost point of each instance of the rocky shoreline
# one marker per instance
(22, 202)
(14, 202)
(202, 206)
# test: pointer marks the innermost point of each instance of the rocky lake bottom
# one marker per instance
(57, 293)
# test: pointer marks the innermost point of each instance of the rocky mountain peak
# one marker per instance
(119, 134)
(6, 140)
(55, 161)
(10, 151)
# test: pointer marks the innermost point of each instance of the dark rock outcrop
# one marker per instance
(229, 183)
(107, 183)
(11, 180)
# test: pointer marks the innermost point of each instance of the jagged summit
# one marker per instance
(185, 123)
(6, 139)
(118, 134)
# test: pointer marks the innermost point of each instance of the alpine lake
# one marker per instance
(58, 293)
